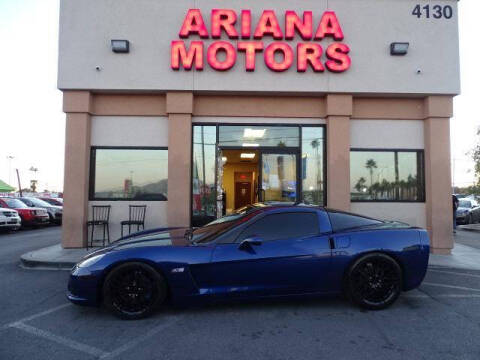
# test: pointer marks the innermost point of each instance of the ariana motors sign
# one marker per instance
(282, 41)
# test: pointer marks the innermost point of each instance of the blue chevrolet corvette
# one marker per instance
(259, 251)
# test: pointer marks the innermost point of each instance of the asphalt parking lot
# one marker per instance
(441, 320)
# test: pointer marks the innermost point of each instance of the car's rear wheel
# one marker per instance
(374, 281)
(134, 290)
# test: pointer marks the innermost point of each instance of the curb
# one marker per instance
(473, 229)
(45, 265)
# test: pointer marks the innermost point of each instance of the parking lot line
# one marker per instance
(37, 315)
(453, 273)
(450, 286)
(171, 321)
(59, 339)
(457, 296)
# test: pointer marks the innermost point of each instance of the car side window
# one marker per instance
(342, 221)
(283, 226)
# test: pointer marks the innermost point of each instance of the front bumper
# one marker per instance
(83, 288)
(37, 220)
(10, 223)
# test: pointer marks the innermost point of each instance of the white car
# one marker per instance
(9, 219)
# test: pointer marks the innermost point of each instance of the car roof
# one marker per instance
(270, 205)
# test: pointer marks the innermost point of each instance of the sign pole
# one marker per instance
(19, 186)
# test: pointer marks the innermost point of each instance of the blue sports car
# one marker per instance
(259, 251)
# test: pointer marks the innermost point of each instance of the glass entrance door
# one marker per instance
(278, 177)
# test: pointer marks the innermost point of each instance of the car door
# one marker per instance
(278, 253)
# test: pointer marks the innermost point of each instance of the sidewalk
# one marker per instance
(471, 227)
(53, 258)
(56, 258)
(463, 257)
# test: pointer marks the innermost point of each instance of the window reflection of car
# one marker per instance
(468, 212)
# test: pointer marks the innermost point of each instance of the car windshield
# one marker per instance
(38, 202)
(220, 225)
(464, 204)
(52, 201)
(15, 204)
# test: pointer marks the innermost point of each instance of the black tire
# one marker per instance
(374, 281)
(134, 290)
(468, 219)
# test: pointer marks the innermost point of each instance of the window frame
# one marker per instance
(421, 187)
(246, 124)
(91, 181)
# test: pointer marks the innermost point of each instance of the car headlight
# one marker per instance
(90, 261)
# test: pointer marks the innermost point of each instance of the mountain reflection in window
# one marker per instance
(386, 175)
(129, 174)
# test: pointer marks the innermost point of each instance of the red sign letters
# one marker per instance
(278, 55)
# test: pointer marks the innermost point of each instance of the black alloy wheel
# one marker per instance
(134, 290)
(374, 281)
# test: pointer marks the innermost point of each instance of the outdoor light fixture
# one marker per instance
(250, 145)
(120, 46)
(399, 48)
(253, 134)
(224, 159)
(247, 155)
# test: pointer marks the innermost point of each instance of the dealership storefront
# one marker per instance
(210, 107)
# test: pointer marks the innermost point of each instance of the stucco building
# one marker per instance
(201, 107)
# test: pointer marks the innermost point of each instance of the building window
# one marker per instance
(126, 173)
(313, 149)
(203, 175)
(258, 136)
(387, 175)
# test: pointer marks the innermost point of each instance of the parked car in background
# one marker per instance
(31, 216)
(468, 211)
(53, 201)
(54, 212)
(9, 219)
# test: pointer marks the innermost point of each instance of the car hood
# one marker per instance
(4, 210)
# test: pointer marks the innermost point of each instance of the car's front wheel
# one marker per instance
(374, 281)
(468, 219)
(134, 290)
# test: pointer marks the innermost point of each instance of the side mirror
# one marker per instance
(248, 243)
